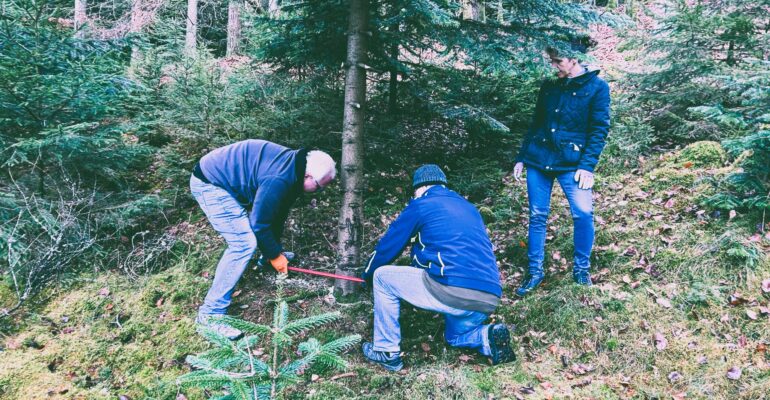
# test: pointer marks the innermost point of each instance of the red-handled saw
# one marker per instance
(326, 274)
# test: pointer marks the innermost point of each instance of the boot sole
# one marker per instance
(501, 350)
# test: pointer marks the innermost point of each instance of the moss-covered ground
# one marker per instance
(677, 303)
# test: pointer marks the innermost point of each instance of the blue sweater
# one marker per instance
(448, 238)
(263, 177)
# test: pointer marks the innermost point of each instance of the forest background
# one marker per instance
(105, 106)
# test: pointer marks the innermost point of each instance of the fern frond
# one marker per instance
(229, 363)
(300, 325)
(260, 367)
(246, 343)
(331, 361)
(198, 362)
(215, 337)
(241, 391)
(339, 345)
(309, 346)
(248, 328)
(217, 353)
(263, 392)
(203, 379)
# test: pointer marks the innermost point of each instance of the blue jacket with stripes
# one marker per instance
(448, 239)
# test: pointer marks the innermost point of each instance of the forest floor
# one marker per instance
(679, 308)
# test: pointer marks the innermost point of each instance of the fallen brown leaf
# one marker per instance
(736, 299)
(660, 341)
(584, 382)
(751, 314)
(734, 373)
(674, 376)
(766, 285)
(663, 302)
(105, 291)
(425, 347)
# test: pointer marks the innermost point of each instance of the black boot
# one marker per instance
(532, 281)
(582, 277)
(500, 344)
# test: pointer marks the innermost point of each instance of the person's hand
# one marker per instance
(584, 179)
(280, 263)
(262, 260)
(517, 171)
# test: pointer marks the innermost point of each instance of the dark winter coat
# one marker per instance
(448, 239)
(570, 125)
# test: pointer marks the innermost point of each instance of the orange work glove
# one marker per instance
(280, 263)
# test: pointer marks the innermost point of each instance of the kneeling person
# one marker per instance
(453, 272)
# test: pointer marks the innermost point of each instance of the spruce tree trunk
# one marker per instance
(190, 40)
(80, 18)
(351, 214)
(233, 27)
(471, 10)
(134, 28)
(393, 83)
(273, 8)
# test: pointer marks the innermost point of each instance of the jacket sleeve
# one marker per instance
(396, 238)
(598, 128)
(537, 121)
(279, 221)
(264, 212)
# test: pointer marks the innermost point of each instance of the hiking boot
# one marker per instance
(222, 329)
(531, 283)
(389, 360)
(582, 278)
(500, 344)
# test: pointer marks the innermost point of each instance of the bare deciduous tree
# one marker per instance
(80, 18)
(191, 34)
(233, 27)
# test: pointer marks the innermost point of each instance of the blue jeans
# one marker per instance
(394, 283)
(228, 218)
(539, 187)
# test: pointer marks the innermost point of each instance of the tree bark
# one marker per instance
(134, 27)
(190, 42)
(351, 213)
(233, 27)
(273, 8)
(471, 10)
(80, 18)
(393, 83)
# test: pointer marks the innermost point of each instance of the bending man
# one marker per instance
(246, 190)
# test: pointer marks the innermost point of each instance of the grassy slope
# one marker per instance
(595, 342)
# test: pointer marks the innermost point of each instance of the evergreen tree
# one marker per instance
(439, 67)
(707, 78)
(244, 375)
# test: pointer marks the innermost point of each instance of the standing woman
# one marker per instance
(564, 141)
